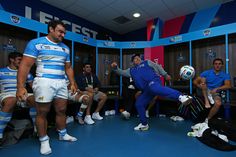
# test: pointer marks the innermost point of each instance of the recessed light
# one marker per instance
(136, 15)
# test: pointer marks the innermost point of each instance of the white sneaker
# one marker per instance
(141, 127)
(112, 112)
(107, 113)
(45, 148)
(88, 120)
(125, 114)
(69, 119)
(67, 137)
(147, 114)
(210, 98)
(185, 99)
(97, 116)
(178, 118)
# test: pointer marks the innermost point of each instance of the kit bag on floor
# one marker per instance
(223, 127)
(16, 130)
(195, 110)
(215, 142)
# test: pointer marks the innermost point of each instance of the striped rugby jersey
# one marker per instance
(50, 57)
(8, 80)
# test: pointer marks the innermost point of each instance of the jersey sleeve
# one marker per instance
(157, 67)
(31, 49)
(204, 74)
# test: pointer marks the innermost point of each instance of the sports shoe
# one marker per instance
(147, 113)
(125, 114)
(107, 113)
(112, 112)
(88, 120)
(69, 119)
(185, 99)
(45, 148)
(97, 116)
(67, 137)
(210, 98)
(176, 118)
(141, 127)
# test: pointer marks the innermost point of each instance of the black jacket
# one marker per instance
(84, 81)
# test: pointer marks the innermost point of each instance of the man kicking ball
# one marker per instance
(146, 76)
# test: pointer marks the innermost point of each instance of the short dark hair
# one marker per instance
(133, 56)
(13, 55)
(218, 59)
(54, 23)
(86, 63)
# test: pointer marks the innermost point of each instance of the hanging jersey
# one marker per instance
(143, 74)
(8, 80)
(50, 57)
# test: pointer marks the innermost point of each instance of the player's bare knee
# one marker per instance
(60, 110)
(90, 94)
(104, 97)
(85, 99)
(218, 103)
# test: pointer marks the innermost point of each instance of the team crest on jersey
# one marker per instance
(41, 98)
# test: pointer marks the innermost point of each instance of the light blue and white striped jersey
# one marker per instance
(8, 80)
(50, 57)
(67, 80)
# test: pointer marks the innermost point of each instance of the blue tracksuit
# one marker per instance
(146, 77)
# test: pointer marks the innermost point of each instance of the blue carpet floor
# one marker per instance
(115, 137)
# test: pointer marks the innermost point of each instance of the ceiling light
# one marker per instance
(136, 15)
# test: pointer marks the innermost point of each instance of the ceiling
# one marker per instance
(103, 12)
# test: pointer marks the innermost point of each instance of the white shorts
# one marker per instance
(98, 95)
(11, 94)
(45, 89)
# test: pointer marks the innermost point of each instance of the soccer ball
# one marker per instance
(187, 72)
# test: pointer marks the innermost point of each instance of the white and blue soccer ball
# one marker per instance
(187, 72)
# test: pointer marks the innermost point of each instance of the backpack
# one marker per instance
(214, 141)
(195, 111)
(223, 127)
(16, 130)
